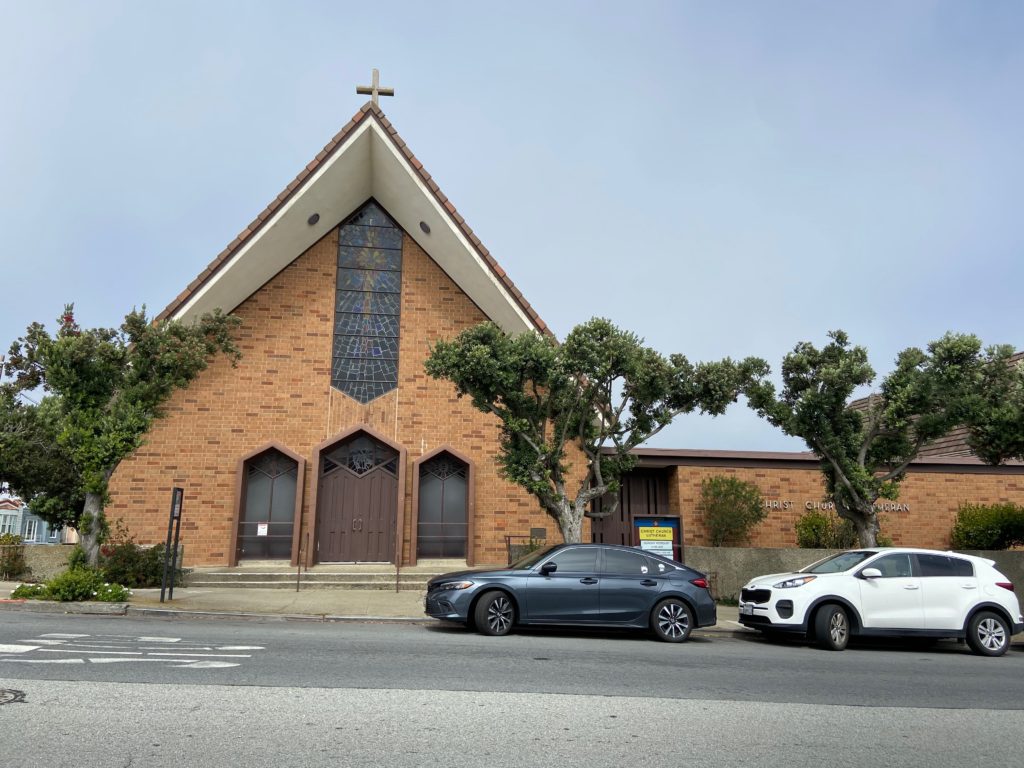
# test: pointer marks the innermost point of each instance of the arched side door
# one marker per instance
(266, 521)
(443, 523)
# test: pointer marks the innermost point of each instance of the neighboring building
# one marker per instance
(16, 518)
(666, 486)
(329, 442)
(10, 516)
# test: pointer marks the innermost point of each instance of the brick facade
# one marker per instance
(280, 393)
(930, 496)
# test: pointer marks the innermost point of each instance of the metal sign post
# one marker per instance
(173, 527)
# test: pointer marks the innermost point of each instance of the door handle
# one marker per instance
(588, 580)
(911, 586)
(968, 586)
(649, 583)
(357, 524)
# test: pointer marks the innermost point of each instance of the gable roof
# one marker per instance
(953, 443)
(367, 158)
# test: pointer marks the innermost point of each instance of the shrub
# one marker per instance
(12, 557)
(74, 584)
(78, 558)
(134, 566)
(125, 562)
(112, 593)
(731, 508)
(988, 526)
(30, 592)
(818, 529)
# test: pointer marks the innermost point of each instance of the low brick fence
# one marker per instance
(729, 568)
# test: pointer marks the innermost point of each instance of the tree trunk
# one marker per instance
(570, 522)
(91, 527)
(864, 519)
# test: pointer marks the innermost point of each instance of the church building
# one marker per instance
(328, 442)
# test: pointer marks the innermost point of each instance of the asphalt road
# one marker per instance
(121, 691)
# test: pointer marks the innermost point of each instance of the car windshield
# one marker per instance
(530, 560)
(844, 561)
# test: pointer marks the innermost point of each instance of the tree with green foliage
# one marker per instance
(730, 508)
(33, 463)
(995, 418)
(865, 448)
(602, 391)
(103, 389)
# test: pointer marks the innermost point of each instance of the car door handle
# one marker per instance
(968, 586)
(588, 580)
(649, 583)
(911, 586)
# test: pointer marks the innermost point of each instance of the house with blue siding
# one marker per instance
(16, 518)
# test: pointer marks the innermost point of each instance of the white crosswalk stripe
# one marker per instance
(123, 649)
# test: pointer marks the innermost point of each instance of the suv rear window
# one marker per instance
(942, 565)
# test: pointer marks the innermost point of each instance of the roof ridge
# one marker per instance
(374, 110)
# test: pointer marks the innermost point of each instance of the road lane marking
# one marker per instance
(80, 650)
(212, 655)
(122, 649)
(17, 648)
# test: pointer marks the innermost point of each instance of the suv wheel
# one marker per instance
(832, 627)
(988, 634)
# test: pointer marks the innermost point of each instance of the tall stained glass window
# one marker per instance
(366, 310)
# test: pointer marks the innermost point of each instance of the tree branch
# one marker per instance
(903, 467)
(842, 476)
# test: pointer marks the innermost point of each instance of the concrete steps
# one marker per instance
(370, 576)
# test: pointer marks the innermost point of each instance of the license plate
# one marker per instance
(747, 610)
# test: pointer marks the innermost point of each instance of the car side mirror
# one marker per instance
(871, 573)
(548, 568)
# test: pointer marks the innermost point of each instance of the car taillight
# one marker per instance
(1005, 585)
(703, 583)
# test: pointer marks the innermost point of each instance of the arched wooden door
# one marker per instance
(357, 502)
(442, 526)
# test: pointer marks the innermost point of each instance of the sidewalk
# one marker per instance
(287, 604)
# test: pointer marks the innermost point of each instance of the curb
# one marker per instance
(125, 609)
(52, 606)
(177, 613)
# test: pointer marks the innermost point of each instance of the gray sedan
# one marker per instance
(600, 585)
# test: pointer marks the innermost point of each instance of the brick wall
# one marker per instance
(933, 498)
(280, 391)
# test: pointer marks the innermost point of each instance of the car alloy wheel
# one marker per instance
(495, 614)
(988, 634)
(832, 627)
(672, 621)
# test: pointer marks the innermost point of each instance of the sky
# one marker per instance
(721, 179)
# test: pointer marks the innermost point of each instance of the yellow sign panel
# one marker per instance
(655, 534)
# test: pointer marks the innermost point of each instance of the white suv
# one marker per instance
(894, 592)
